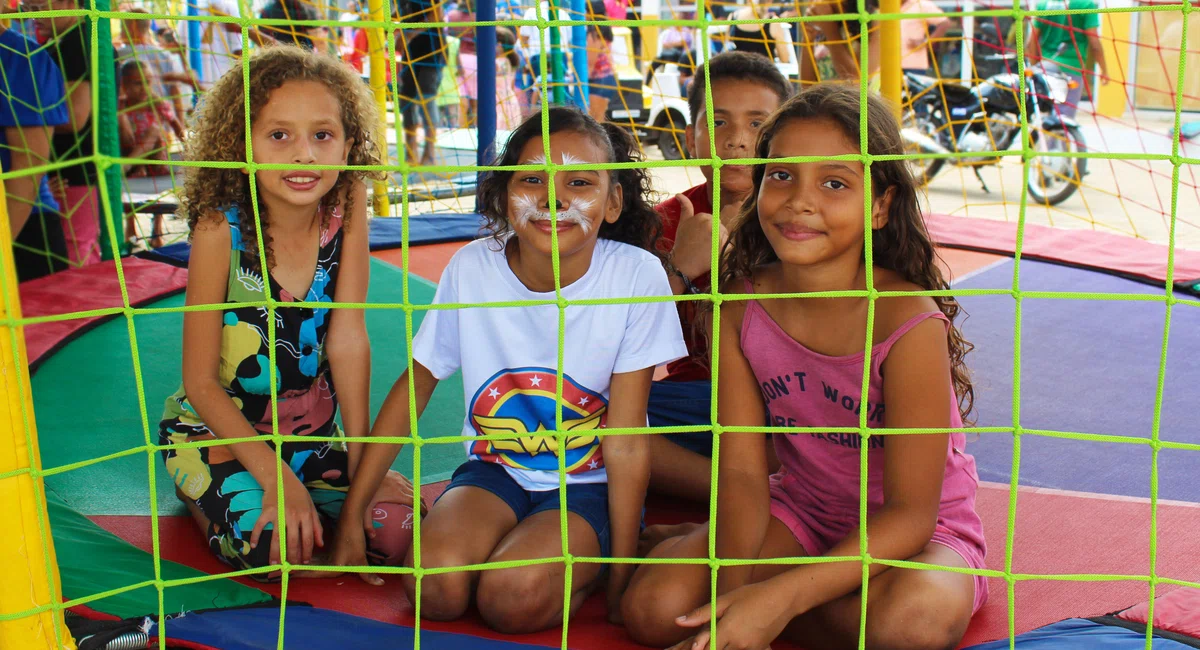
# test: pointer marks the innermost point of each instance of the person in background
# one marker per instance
(602, 81)
(770, 40)
(915, 37)
(351, 15)
(221, 42)
(167, 73)
(31, 106)
(508, 106)
(291, 10)
(170, 44)
(1069, 44)
(68, 39)
(424, 54)
(448, 102)
(468, 63)
(145, 121)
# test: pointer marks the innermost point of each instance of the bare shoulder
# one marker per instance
(894, 311)
(211, 229)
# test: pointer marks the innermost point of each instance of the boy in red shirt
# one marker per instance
(746, 88)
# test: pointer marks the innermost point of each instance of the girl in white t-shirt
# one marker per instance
(503, 503)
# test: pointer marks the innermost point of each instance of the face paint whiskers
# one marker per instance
(525, 210)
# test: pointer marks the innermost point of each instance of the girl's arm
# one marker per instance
(346, 343)
(917, 390)
(125, 129)
(743, 490)
(373, 465)
(208, 274)
(627, 459)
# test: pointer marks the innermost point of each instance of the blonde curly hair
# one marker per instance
(219, 135)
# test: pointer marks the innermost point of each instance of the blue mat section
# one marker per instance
(1079, 634)
(1086, 366)
(310, 628)
(425, 229)
(385, 234)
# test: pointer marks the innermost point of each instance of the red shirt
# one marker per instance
(695, 367)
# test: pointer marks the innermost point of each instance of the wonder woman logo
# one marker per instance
(520, 404)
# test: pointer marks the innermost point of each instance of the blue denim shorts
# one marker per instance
(683, 403)
(588, 500)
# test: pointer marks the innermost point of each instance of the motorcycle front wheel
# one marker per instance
(926, 126)
(1053, 179)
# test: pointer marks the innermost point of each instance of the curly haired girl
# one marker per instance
(503, 504)
(304, 109)
(798, 363)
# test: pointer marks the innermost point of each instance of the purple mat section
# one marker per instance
(1086, 366)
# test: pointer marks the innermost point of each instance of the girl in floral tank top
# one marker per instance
(799, 366)
(305, 110)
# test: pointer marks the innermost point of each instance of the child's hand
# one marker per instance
(618, 581)
(748, 618)
(304, 524)
(350, 549)
(692, 253)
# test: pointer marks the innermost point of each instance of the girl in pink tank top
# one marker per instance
(844, 416)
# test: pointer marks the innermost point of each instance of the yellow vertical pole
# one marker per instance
(1114, 37)
(889, 54)
(377, 47)
(28, 568)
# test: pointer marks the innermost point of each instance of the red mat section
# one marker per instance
(85, 289)
(1085, 248)
(1055, 533)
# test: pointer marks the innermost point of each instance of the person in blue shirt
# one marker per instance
(31, 104)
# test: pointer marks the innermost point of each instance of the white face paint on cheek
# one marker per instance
(523, 209)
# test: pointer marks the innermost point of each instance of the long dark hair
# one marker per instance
(902, 246)
(639, 224)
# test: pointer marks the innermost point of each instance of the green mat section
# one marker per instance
(92, 560)
(85, 400)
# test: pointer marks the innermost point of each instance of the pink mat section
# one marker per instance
(1086, 248)
(87, 288)
(1054, 533)
(1178, 612)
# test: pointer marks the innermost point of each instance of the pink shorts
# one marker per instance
(817, 530)
(81, 224)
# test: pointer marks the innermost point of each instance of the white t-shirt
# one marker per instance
(508, 355)
(533, 40)
(219, 48)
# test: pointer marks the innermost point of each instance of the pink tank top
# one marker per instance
(802, 388)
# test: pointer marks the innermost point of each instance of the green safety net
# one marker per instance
(97, 14)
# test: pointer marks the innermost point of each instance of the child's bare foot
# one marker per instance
(654, 535)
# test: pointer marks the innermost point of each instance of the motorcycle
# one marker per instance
(947, 117)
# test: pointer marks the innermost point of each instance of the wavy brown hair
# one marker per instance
(219, 135)
(639, 224)
(903, 246)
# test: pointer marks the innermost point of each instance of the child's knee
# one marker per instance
(444, 596)
(519, 600)
(914, 624)
(650, 606)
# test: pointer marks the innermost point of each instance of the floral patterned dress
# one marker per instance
(211, 477)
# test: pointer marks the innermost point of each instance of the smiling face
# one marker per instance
(301, 123)
(585, 200)
(813, 212)
(739, 109)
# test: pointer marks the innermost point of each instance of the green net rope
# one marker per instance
(97, 14)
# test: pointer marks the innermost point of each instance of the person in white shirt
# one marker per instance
(503, 503)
